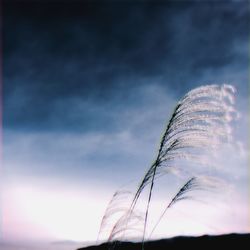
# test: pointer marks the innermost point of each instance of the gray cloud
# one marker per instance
(103, 53)
(125, 151)
(89, 87)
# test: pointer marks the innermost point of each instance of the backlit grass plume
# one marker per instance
(199, 125)
(117, 207)
(186, 192)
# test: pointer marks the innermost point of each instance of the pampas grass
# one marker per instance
(116, 206)
(199, 126)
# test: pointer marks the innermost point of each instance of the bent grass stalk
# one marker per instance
(199, 125)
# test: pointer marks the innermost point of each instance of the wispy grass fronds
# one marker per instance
(186, 192)
(117, 207)
(189, 186)
(129, 223)
(199, 124)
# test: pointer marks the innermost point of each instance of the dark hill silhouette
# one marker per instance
(230, 241)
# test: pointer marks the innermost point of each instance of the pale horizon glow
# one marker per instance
(39, 213)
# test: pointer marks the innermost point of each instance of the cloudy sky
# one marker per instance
(88, 88)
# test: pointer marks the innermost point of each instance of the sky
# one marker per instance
(88, 87)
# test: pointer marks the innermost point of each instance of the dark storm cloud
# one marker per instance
(77, 65)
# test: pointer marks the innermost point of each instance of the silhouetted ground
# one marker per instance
(230, 241)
